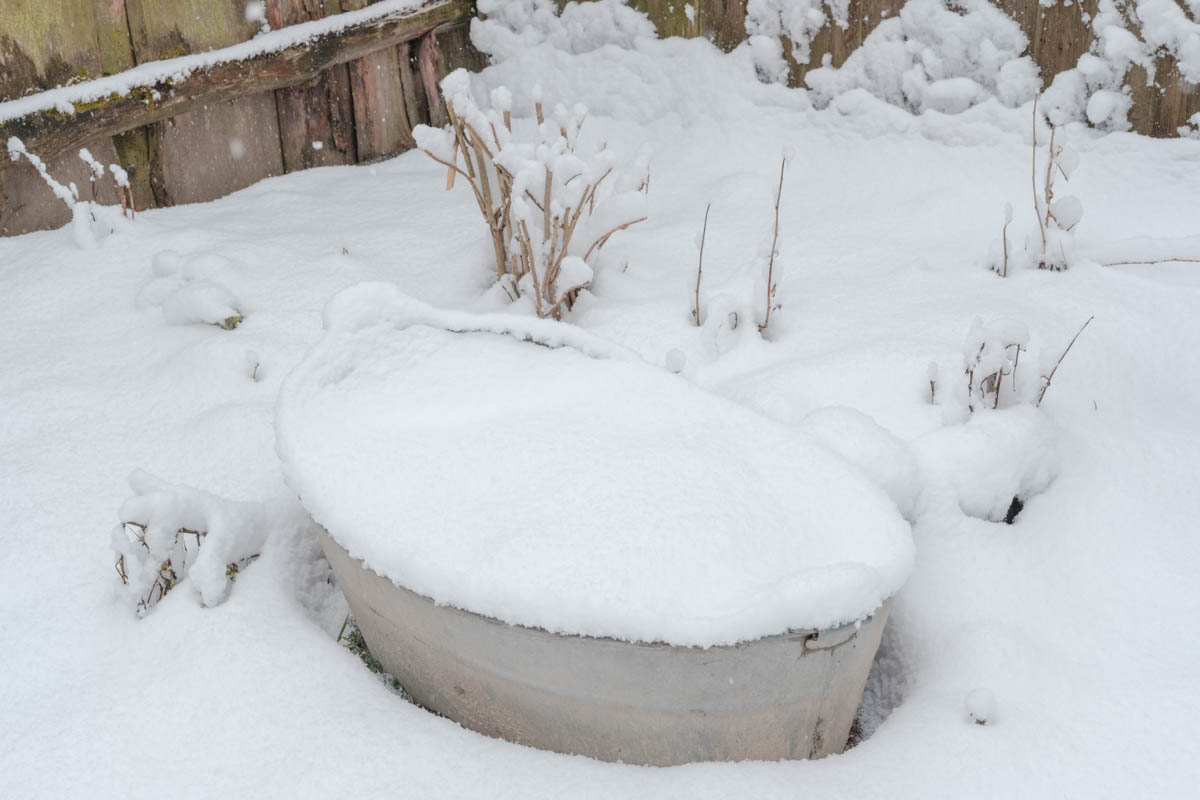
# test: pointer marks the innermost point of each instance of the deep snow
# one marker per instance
(1075, 619)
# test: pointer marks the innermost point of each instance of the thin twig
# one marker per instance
(1057, 364)
(1049, 187)
(774, 247)
(603, 239)
(1037, 209)
(700, 264)
(1151, 261)
(1004, 241)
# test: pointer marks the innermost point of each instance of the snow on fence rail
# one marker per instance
(60, 119)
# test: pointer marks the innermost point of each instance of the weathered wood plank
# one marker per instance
(724, 22)
(381, 119)
(36, 52)
(427, 66)
(1064, 36)
(1177, 99)
(237, 140)
(455, 50)
(416, 104)
(316, 126)
(670, 17)
(51, 132)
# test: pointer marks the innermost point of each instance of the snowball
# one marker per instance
(120, 176)
(952, 95)
(1106, 106)
(502, 99)
(575, 272)
(95, 166)
(1067, 160)
(199, 301)
(767, 54)
(1067, 211)
(981, 706)
(676, 360)
(256, 11)
(166, 262)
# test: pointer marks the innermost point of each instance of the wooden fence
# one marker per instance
(353, 94)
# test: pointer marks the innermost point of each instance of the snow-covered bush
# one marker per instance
(990, 374)
(90, 221)
(550, 198)
(192, 290)
(169, 533)
(507, 27)
(934, 55)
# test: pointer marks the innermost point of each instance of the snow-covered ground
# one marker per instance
(1076, 619)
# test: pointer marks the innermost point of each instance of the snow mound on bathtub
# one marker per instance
(528, 471)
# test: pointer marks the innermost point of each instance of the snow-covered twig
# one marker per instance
(16, 150)
(121, 178)
(1056, 218)
(169, 533)
(1037, 210)
(771, 286)
(96, 168)
(700, 263)
(1047, 379)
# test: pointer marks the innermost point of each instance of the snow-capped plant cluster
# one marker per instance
(1056, 218)
(551, 199)
(1051, 245)
(168, 533)
(799, 20)
(933, 56)
(997, 370)
(948, 55)
(725, 312)
(506, 27)
(193, 289)
(90, 221)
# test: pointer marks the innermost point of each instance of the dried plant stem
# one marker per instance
(1004, 244)
(1151, 261)
(516, 253)
(700, 264)
(604, 239)
(774, 248)
(1049, 185)
(1057, 364)
(1037, 209)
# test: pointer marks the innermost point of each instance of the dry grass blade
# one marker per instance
(596, 245)
(774, 249)
(1057, 364)
(700, 264)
